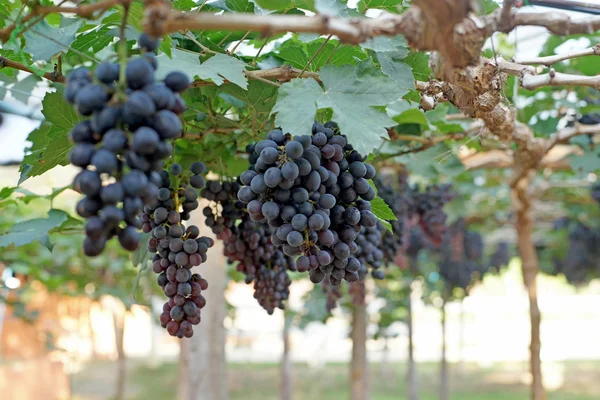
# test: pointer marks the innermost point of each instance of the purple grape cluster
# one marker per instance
(596, 192)
(314, 190)
(178, 248)
(124, 141)
(332, 295)
(461, 256)
(429, 205)
(224, 209)
(500, 257)
(260, 261)
(369, 251)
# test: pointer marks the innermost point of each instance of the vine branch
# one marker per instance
(274, 75)
(84, 11)
(55, 76)
(551, 60)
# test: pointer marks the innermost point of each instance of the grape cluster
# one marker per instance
(461, 256)
(225, 209)
(596, 192)
(314, 190)
(178, 248)
(429, 205)
(332, 295)
(500, 257)
(271, 285)
(357, 292)
(582, 261)
(369, 253)
(260, 261)
(121, 147)
(421, 220)
(401, 202)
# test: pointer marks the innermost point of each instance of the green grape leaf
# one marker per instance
(383, 44)
(166, 46)
(382, 210)
(335, 8)
(94, 40)
(221, 67)
(184, 61)
(33, 230)
(183, 5)
(274, 4)
(23, 88)
(138, 256)
(390, 5)
(294, 54)
(404, 112)
(44, 41)
(50, 142)
(240, 6)
(351, 91)
(217, 68)
(487, 6)
(386, 224)
(419, 62)
(259, 96)
(6, 192)
(397, 70)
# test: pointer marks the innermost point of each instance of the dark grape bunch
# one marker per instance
(357, 292)
(429, 205)
(461, 256)
(260, 261)
(500, 257)
(398, 196)
(369, 251)
(582, 261)
(178, 248)
(224, 209)
(332, 295)
(314, 190)
(596, 192)
(121, 147)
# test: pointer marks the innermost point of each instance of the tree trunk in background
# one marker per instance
(93, 341)
(412, 379)
(444, 364)
(119, 327)
(286, 363)
(461, 337)
(530, 268)
(386, 370)
(202, 364)
(358, 366)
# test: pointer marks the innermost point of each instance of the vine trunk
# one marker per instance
(358, 367)
(530, 268)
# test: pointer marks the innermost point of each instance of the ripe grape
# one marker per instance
(107, 151)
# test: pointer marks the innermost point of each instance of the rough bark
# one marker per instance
(358, 366)
(202, 365)
(119, 328)
(530, 268)
(286, 364)
(412, 379)
(444, 385)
